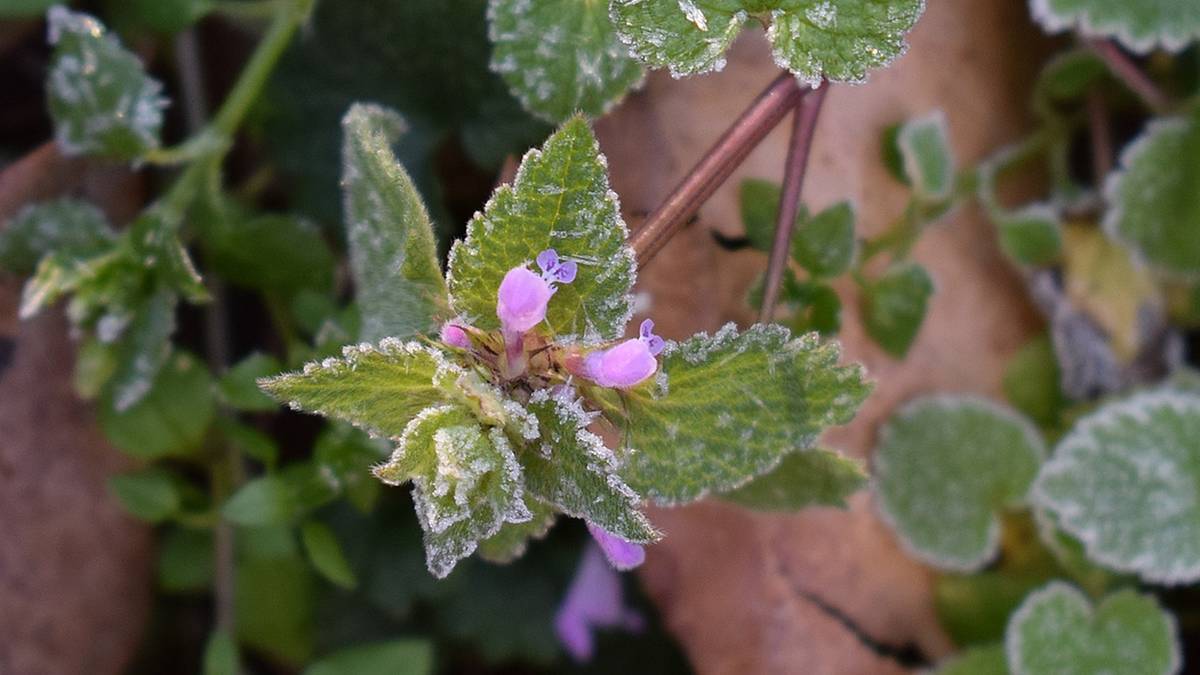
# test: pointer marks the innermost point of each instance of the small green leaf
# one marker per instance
(281, 498)
(393, 251)
(171, 419)
(945, 468)
(99, 95)
(894, 306)
(686, 38)
(513, 539)
(560, 200)
(220, 655)
(1031, 235)
(976, 661)
(729, 407)
(1123, 482)
(150, 494)
(239, 386)
(1056, 631)
(928, 162)
(275, 607)
(1141, 26)
(325, 553)
(74, 227)
(571, 468)
(823, 311)
(350, 454)
(250, 441)
(236, 249)
(396, 657)
(560, 56)
(95, 363)
(185, 560)
(1032, 384)
(804, 478)
(1154, 207)
(824, 244)
(144, 349)
(1067, 77)
(378, 388)
(759, 203)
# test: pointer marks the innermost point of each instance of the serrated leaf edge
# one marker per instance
(1083, 24)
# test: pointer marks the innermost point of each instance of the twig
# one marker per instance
(1100, 129)
(804, 124)
(716, 166)
(1128, 72)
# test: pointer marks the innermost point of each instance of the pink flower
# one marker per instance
(622, 555)
(523, 296)
(594, 600)
(455, 336)
(627, 364)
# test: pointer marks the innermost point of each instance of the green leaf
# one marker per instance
(238, 387)
(946, 468)
(894, 306)
(144, 349)
(378, 388)
(729, 407)
(350, 454)
(220, 655)
(1056, 631)
(836, 39)
(185, 560)
(759, 203)
(395, 657)
(466, 482)
(95, 363)
(150, 494)
(824, 244)
(275, 607)
(25, 9)
(167, 16)
(560, 56)
(74, 227)
(805, 478)
(1032, 382)
(1141, 26)
(1154, 207)
(976, 661)
(281, 498)
(99, 95)
(1031, 235)
(171, 419)
(393, 252)
(325, 553)
(571, 468)
(299, 258)
(560, 200)
(513, 539)
(1066, 77)
(1123, 482)
(928, 161)
(250, 441)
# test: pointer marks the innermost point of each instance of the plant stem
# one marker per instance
(1100, 131)
(804, 124)
(715, 167)
(1128, 72)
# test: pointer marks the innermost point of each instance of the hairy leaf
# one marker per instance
(560, 200)
(513, 539)
(560, 56)
(1124, 483)
(945, 468)
(727, 408)
(393, 252)
(65, 225)
(1141, 26)
(814, 477)
(894, 306)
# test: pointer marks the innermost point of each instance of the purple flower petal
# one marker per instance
(622, 555)
(653, 342)
(594, 600)
(522, 299)
(564, 272)
(623, 366)
(547, 260)
(455, 336)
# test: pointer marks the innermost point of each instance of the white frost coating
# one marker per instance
(523, 421)
(694, 14)
(1173, 36)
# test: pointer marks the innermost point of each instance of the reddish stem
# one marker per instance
(804, 124)
(1128, 72)
(715, 167)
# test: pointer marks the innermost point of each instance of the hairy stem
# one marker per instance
(780, 97)
(1128, 72)
(804, 124)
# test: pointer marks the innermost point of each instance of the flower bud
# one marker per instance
(622, 555)
(521, 302)
(627, 364)
(455, 336)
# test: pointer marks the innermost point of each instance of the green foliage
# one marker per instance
(1058, 632)
(894, 306)
(1031, 236)
(925, 154)
(25, 8)
(236, 248)
(99, 95)
(185, 560)
(274, 606)
(1122, 482)
(395, 657)
(978, 661)
(65, 226)
(167, 16)
(171, 419)
(560, 200)
(144, 349)
(220, 655)
(1154, 207)
(325, 553)
(759, 203)
(727, 408)
(238, 387)
(281, 498)
(1140, 26)
(513, 539)
(392, 248)
(824, 244)
(151, 494)
(813, 477)
(1032, 382)
(945, 468)
(839, 40)
(560, 56)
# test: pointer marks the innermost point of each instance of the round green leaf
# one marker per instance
(1124, 483)
(945, 468)
(894, 306)
(978, 661)
(169, 420)
(824, 244)
(1140, 25)
(152, 494)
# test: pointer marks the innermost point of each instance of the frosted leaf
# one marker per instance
(729, 407)
(894, 306)
(571, 468)
(1124, 482)
(144, 349)
(560, 56)
(513, 539)
(1141, 26)
(976, 661)
(99, 95)
(393, 252)
(685, 37)
(924, 145)
(1056, 631)
(945, 468)
(376, 387)
(1154, 209)
(804, 478)
(560, 200)
(64, 225)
